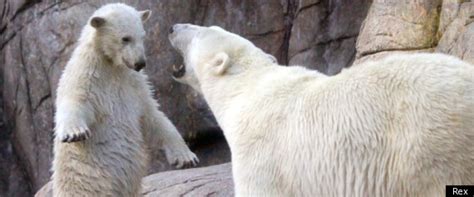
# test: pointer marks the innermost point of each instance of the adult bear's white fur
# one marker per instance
(105, 111)
(401, 126)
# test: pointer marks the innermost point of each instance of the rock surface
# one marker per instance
(37, 38)
(399, 25)
(207, 181)
(393, 26)
(458, 35)
(323, 33)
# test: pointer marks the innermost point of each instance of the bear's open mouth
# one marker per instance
(178, 71)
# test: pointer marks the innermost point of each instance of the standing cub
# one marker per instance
(105, 111)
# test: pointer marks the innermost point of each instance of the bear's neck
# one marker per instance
(221, 93)
(227, 96)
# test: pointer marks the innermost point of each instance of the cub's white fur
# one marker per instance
(105, 111)
(401, 126)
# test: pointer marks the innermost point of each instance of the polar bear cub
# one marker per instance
(105, 111)
(401, 126)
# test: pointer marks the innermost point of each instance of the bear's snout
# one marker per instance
(139, 65)
(175, 27)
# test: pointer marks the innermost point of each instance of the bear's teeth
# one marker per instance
(178, 71)
(177, 68)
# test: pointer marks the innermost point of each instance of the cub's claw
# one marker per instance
(76, 135)
(182, 159)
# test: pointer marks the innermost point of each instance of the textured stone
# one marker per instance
(393, 25)
(458, 37)
(449, 11)
(260, 21)
(207, 181)
(424, 26)
(323, 34)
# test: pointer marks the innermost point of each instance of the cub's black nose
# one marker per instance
(171, 29)
(139, 65)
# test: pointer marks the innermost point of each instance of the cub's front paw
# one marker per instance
(181, 158)
(74, 134)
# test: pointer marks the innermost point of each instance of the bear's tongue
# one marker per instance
(178, 71)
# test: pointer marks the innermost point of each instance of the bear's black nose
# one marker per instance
(171, 29)
(139, 65)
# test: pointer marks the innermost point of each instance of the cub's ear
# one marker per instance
(220, 63)
(97, 22)
(145, 15)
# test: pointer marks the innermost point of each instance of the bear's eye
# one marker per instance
(126, 39)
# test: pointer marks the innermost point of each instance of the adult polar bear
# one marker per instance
(402, 126)
(105, 107)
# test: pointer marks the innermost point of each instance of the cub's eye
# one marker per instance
(126, 39)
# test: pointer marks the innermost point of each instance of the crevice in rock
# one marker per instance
(24, 7)
(198, 179)
(201, 12)
(4, 9)
(437, 25)
(187, 191)
(17, 174)
(3, 16)
(339, 39)
(28, 166)
(452, 45)
(70, 6)
(290, 16)
(9, 38)
(47, 70)
(393, 49)
(204, 176)
(44, 98)
(458, 9)
(401, 19)
(308, 6)
(351, 61)
(13, 33)
(3, 29)
(326, 42)
(151, 191)
(196, 187)
(163, 188)
(265, 33)
(25, 71)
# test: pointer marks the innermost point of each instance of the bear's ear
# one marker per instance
(97, 22)
(272, 58)
(220, 63)
(145, 15)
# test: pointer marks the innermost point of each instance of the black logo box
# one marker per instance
(459, 190)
